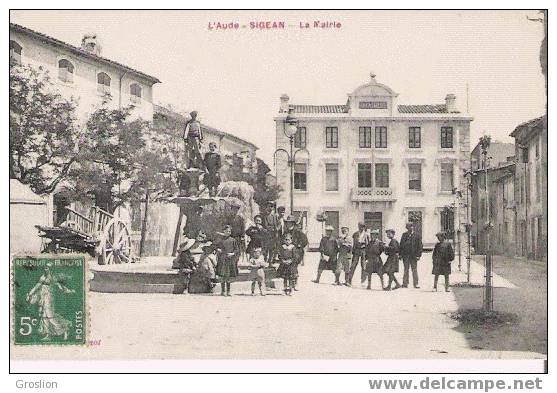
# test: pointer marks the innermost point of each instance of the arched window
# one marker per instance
(65, 71)
(15, 52)
(135, 93)
(103, 82)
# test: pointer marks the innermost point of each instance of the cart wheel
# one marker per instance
(116, 244)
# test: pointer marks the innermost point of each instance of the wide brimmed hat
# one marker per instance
(390, 230)
(329, 228)
(187, 244)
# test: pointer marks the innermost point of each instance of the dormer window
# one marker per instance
(65, 71)
(135, 93)
(103, 83)
(15, 52)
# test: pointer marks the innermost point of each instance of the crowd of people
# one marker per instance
(276, 241)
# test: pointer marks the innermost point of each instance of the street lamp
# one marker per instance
(290, 127)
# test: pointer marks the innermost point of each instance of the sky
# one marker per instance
(234, 78)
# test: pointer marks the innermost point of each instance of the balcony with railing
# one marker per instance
(372, 194)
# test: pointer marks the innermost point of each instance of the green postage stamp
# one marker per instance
(49, 300)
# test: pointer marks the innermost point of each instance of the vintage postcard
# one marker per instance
(279, 185)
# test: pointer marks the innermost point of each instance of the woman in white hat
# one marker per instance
(186, 265)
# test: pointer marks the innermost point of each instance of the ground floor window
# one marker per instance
(374, 220)
(416, 218)
(333, 219)
(447, 222)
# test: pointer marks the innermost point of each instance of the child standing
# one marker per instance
(227, 261)
(392, 263)
(443, 254)
(288, 261)
(257, 265)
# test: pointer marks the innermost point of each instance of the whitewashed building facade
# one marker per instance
(375, 161)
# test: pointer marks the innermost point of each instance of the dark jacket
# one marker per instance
(356, 245)
(411, 245)
(258, 237)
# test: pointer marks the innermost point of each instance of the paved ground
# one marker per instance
(319, 322)
(526, 297)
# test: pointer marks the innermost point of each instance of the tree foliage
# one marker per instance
(43, 130)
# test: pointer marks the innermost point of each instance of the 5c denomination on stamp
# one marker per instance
(49, 300)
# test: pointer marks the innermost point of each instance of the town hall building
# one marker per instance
(374, 161)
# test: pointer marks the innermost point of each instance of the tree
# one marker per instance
(43, 130)
(120, 161)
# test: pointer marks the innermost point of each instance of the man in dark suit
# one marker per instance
(410, 252)
(360, 240)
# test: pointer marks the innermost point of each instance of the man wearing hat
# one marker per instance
(410, 252)
(300, 241)
(238, 226)
(328, 249)
(193, 136)
(360, 240)
(344, 255)
(391, 264)
(185, 264)
(374, 263)
(443, 255)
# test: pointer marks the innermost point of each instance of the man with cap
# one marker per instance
(391, 264)
(410, 252)
(344, 255)
(328, 250)
(193, 136)
(212, 163)
(300, 241)
(360, 240)
(279, 227)
(269, 218)
(443, 255)
(374, 263)
(238, 226)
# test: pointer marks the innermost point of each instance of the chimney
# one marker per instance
(284, 99)
(450, 103)
(90, 43)
(372, 77)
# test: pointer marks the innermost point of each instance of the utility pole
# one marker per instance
(485, 141)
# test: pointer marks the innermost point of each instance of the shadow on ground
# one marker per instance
(528, 301)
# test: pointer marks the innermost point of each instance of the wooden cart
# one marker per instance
(99, 233)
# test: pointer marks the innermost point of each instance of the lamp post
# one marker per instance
(290, 127)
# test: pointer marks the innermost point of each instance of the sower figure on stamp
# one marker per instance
(360, 241)
(391, 264)
(328, 249)
(374, 262)
(227, 261)
(410, 252)
(443, 255)
(300, 241)
(344, 256)
(212, 163)
(193, 137)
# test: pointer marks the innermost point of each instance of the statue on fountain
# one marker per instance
(193, 138)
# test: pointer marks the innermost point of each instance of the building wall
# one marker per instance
(395, 213)
(84, 86)
(531, 213)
